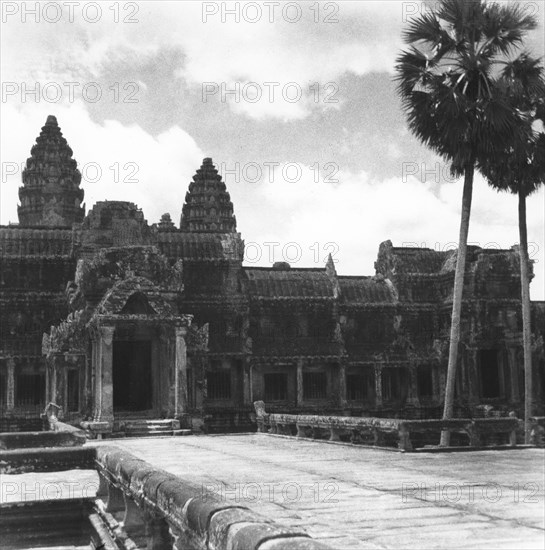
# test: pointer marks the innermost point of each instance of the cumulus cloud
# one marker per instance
(117, 162)
(309, 46)
(349, 218)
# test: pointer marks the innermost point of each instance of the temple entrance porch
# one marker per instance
(138, 372)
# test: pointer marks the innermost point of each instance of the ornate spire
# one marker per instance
(51, 195)
(208, 207)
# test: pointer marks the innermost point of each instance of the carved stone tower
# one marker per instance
(51, 195)
(208, 207)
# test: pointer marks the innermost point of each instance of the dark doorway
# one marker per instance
(490, 373)
(132, 375)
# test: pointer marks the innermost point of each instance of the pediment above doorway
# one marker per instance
(134, 296)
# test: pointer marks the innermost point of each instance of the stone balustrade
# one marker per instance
(406, 435)
(59, 434)
(140, 506)
(161, 510)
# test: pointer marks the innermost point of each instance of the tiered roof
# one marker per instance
(208, 207)
(365, 290)
(51, 195)
(288, 283)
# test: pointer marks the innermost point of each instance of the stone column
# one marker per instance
(47, 381)
(96, 385)
(246, 381)
(158, 533)
(299, 382)
(199, 375)
(105, 375)
(10, 386)
(412, 390)
(442, 372)
(342, 385)
(472, 382)
(251, 379)
(180, 372)
(378, 386)
(60, 382)
(50, 381)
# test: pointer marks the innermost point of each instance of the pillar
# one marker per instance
(52, 369)
(342, 385)
(104, 376)
(60, 382)
(299, 382)
(472, 382)
(247, 381)
(158, 534)
(133, 520)
(10, 397)
(115, 504)
(412, 390)
(199, 375)
(180, 372)
(442, 371)
(378, 386)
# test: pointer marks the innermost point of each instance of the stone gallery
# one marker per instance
(114, 319)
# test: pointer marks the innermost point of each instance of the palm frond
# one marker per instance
(505, 26)
(426, 27)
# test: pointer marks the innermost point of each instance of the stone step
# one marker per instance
(150, 424)
(148, 434)
(145, 434)
(143, 427)
(150, 429)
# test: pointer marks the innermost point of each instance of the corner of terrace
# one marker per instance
(270, 491)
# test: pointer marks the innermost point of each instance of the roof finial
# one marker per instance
(330, 266)
(331, 273)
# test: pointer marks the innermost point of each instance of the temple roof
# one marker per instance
(200, 246)
(208, 207)
(364, 290)
(290, 283)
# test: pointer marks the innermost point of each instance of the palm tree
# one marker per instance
(448, 83)
(520, 169)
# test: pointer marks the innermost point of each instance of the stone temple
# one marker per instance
(115, 320)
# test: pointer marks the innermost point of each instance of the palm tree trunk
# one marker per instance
(526, 318)
(457, 300)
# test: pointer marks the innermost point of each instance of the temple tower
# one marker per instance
(208, 207)
(50, 195)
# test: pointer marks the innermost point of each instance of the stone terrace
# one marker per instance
(344, 496)
(366, 498)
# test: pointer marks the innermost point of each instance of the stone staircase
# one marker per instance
(148, 427)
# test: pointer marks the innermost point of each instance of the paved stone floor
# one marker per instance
(353, 497)
(348, 497)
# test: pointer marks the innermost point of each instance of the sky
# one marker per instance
(294, 101)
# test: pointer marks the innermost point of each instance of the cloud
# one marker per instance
(360, 212)
(355, 214)
(216, 48)
(118, 162)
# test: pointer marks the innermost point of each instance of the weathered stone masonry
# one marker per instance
(113, 318)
